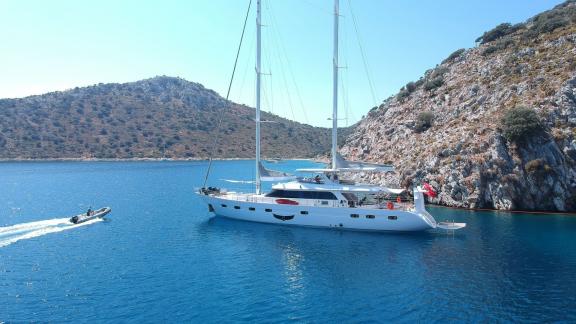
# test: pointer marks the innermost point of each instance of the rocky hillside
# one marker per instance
(154, 118)
(493, 126)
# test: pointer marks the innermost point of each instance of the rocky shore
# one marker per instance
(447, 128)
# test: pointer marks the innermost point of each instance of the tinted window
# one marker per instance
(320, 195)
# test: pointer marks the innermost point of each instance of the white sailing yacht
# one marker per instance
(324, 200)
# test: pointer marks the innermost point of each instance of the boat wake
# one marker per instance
(15, 233)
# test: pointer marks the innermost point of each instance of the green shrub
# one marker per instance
(499, 32)
(552, 24)
(424, 121)
(551, 20)
(521, 123)
(456, 54)
(410, 87)
(406, 90)
(434, 83)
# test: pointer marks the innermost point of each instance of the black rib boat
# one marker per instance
(90, 215)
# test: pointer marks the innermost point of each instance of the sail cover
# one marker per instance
(343, 165)
(273, 175)
(348, 166)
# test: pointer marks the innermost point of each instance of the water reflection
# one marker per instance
(489, 258)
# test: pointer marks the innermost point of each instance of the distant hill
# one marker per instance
(493, 126)
(158, 117)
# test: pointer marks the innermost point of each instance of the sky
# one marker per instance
(61, 44)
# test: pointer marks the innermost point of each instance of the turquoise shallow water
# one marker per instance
(161, 257)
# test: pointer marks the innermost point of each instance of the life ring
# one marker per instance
(389, 205)
(398, 199)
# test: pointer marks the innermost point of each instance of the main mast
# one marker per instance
(335, 88)
(258, 27)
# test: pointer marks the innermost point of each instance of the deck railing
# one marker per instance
(403, 206)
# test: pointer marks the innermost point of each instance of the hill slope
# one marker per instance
(450, 127)
(153, 118)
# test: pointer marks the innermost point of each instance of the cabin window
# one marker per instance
(303, 212)
(350, 196)
(370, 216)
(324, 202)
(318, 195)
(236, 207)
(268, 210)
(251, 208)
(392, 217)
(224, 205)
(354, 215)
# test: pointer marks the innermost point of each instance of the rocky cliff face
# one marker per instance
(458, 145)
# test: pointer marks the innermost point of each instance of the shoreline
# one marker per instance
(82, 160)
(534, 212)
(142, 159)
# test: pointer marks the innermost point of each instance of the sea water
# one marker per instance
(160, 256)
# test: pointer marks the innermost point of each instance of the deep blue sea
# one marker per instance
(160, 257)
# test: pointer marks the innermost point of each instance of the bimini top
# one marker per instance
(347, 166)
(331, 186)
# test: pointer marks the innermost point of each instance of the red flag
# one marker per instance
(430, 192)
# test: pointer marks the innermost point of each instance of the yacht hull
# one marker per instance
(363, 219)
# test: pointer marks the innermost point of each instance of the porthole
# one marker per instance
(370, 216)
(392, 217)
(224, 205)
(268, 210)
(251, 208)
(236, 207)
(354, 215)
(303, 212)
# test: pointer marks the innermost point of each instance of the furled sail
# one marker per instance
(348, 166)
(273, 175)
(343, 165)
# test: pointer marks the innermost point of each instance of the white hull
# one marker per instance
(328, 217)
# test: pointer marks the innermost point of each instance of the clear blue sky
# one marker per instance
(61, 44)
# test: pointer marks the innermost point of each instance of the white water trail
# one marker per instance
(15, 233)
